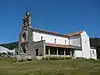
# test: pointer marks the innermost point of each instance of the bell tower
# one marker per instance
(25, 37)
(27, 22)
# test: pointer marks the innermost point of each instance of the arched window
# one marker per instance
(24, 35)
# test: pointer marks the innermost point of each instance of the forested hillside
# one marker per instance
(11, 46)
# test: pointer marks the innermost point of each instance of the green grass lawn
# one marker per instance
(50, 67)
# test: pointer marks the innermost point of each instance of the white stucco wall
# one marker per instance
(78, 53)
(50, 38)
(85, 45)
(75, 41)
(93, 53)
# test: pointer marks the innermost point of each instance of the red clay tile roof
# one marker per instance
(58, 34)
(49, 32)
(62, 46)
(74, 34)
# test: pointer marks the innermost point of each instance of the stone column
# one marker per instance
(71, 53)
(49, 51)
(57, 51)
(44, 48)
(64, 52)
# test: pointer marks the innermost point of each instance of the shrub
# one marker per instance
(68, 58)
(13, 59)
(57, 58)
(80, 58)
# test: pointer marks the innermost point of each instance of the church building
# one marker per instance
(37, 44)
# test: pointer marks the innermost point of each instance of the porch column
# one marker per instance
(49, 51)
(71, 53)
(64, 52)
(57, 51)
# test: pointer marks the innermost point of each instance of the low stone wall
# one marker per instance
(23, 57)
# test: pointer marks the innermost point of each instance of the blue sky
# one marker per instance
(63, 16)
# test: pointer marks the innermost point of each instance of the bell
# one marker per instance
(27, 13)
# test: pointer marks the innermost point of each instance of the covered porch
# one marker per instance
(59, 50)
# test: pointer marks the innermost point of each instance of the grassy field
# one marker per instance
(50, 67)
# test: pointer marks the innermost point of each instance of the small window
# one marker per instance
(54, 41)
(41, 37)
(65, 42)
(16, 52)
(93, 51)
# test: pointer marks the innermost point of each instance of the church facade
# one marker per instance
(36, 43)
